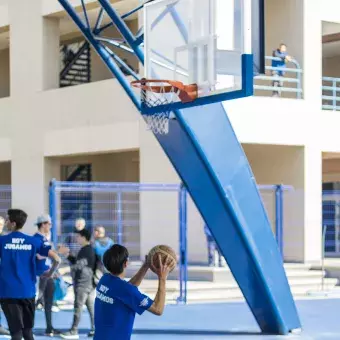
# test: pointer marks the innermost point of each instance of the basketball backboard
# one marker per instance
(204, 42)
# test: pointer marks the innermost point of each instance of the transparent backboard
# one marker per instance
(198, 42)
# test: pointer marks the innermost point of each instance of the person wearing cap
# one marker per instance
(43, 265)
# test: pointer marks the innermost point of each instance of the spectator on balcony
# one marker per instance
(280, 62)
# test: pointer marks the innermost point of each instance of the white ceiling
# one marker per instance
(330, 49)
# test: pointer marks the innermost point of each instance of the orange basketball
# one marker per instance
(164, 251)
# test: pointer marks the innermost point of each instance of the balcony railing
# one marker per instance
(330, 93)
(294, 78)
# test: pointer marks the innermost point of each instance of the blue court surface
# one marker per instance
(320, 319)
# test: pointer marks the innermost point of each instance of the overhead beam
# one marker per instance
(53, 9)
(329, 38)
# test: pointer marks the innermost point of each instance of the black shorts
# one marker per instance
(19, 313)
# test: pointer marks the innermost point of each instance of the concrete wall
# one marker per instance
(331, 67)
(5, 173)
(331, 170)
(282, 165)
(4, 73)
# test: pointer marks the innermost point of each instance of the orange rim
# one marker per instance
(186, 93)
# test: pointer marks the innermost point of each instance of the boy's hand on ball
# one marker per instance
(163, 269)
(146, 262)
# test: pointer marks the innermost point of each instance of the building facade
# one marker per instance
(54, 116)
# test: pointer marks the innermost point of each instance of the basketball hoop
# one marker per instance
(156, 92)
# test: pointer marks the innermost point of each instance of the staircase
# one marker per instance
(76, 64)
(208, 284)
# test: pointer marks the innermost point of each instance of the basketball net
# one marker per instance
(156, 93)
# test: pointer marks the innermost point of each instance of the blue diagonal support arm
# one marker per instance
(123, 29)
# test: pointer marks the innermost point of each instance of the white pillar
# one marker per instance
(34, 64)
(312, 67)
(313, 204)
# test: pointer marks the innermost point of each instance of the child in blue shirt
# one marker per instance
(279, 64)
(118, 301)
(18, 274)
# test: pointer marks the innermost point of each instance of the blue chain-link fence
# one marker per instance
(141, 215)
(5, 199)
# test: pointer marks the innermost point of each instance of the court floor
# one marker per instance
(320, 319)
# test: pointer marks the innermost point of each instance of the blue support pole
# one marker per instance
(119, 218)
(53, 209)
(183, 263)
(103, 53)
(123, 29)
(279, 217)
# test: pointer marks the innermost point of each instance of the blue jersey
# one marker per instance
(116, 305)
(18, 264)
(42, 265)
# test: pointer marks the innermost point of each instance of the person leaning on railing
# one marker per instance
(280, 63)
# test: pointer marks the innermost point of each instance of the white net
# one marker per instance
(153, 96)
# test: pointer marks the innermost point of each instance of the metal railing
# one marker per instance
(295, 79)
(330, 93)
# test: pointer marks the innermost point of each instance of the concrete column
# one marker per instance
(34, 64)
(312, 67)
(313, 204)
(30, 172)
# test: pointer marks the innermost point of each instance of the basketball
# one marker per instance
(164, 251)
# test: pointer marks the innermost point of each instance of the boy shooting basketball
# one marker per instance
(118, 301)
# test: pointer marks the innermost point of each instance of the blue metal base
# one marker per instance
(214, 168)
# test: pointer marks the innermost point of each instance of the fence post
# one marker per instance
(324, 233)
(299, 94)
(53, 209)
(119, 218)
(183, 261)
(334, 94)
(279, 217)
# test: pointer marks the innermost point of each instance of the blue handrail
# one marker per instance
(330, 96)
(297, 79)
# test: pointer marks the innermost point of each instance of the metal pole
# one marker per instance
(53, 209)
(183, 264)
(279, 217)
(119, 218)
(323, 257)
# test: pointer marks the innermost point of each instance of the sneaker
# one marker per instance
(90, 334)
(51, 333)
(55, 309)
(70, 335)
(4, 331)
